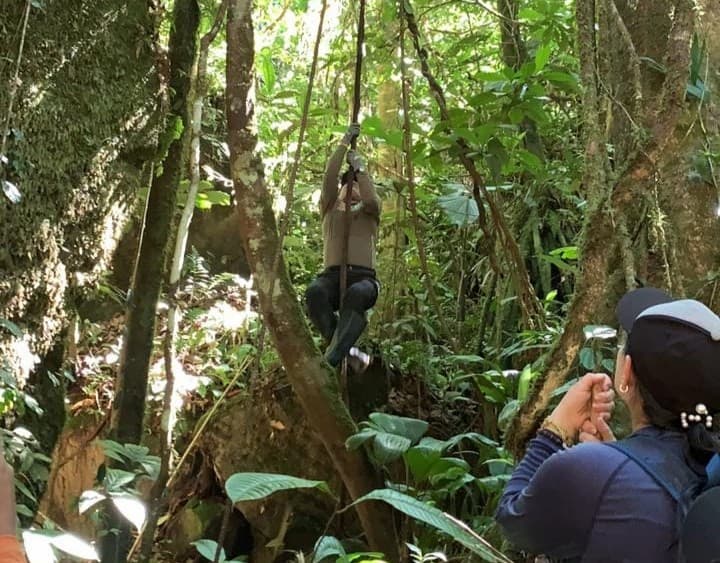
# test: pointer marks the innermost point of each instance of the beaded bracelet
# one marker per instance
(555, 429)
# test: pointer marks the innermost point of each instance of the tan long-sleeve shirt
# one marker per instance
(364, 222)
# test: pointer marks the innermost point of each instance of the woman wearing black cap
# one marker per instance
(629, 502)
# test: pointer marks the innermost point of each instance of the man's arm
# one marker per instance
(371, 203)
(329, 193)
(370, 200)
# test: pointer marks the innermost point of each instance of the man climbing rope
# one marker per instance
(323, 294)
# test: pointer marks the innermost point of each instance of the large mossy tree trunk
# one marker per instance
(79, 129)
(312, 380)
(647, 220)
(126, 422)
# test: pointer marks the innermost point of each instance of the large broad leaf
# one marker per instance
(459, 206)
(508, 413)
(327, 546)
(254, 486)
(357, 440)
(89, 499)
(113, 450)
(12, 327)
(38, 547)
(389, 447)
(208, 548)
(411, 428)
(524, 381)
(439, 520)
(420, 460)
(75, 546)
(131, 508)
(116, 479)
(542, 55)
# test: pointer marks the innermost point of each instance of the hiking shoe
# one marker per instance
(358, 360)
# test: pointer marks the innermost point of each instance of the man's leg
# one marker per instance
(359, 297)
(321, 299)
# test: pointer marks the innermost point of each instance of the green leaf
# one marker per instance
(115, 479)
(38, 547)
(75, 546)
(267, 70)
(23, 510)
(88, 499)
(357, 440)
(327, 546)
(439, 520)
(562, 79)
(20, 486)
(516, 115)
(459, 207)
(587, 359)
(653, 64)
(389, 447)
(508, 413)
(12, 327)
(531, 161)
(542, 55)
(420, 460)
(524, 381)
(217, 197)
(208, 548)
(566, 252)
(530, 14)
(113, 449)
(465, 358)
(411, 428)
(254, 486)
(131, 508)
(697, 90)
(600, 332)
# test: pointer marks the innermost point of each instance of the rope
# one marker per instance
(353, 145)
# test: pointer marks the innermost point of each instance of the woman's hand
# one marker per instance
(596, 432)
(589, 400)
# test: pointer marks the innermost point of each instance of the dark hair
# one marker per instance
(703, 442)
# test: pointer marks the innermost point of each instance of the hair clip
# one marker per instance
(700, 412)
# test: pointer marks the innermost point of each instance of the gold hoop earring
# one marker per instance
(623, 388)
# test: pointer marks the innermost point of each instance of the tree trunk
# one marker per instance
(126, 423)
(312, 380)
(80, 128)
(642, 185)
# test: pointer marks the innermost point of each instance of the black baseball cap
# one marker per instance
(675, 348)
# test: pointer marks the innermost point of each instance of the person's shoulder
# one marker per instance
(591, 458)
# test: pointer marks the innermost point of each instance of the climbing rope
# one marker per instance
(353, 145)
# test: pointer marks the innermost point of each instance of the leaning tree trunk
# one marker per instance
(312, 380)
(647, 221)
(128, 410)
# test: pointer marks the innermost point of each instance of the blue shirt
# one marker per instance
(590, 503)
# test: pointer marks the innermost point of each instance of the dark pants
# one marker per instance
(322, 296)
